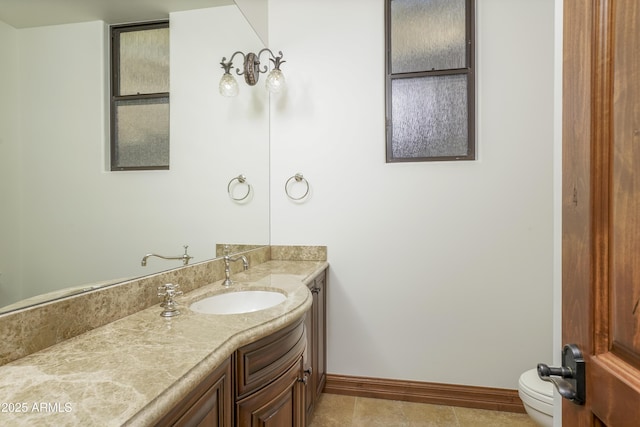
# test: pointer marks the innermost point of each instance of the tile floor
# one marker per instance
(335, 410)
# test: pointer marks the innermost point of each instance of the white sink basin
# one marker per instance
(237, 302)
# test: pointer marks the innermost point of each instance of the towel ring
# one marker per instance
(298, 178)
(241, 180)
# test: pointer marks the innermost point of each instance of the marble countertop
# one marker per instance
(133, 370)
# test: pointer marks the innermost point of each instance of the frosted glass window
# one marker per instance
(143, 133)
(430, 116)
(428, 35)
(430, 86)
(144, 62)
(140, 96)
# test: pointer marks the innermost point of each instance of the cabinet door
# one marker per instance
(209, 404)
(279, 404)
(319, 372)
(315, 355)
(308, 358)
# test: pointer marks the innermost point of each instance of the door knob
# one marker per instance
(569, 379)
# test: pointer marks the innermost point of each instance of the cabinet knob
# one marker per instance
(303, 380)
(315, 290)
(308, 371)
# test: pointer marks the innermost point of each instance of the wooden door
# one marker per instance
(601, 206)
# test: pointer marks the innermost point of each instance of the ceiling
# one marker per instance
(35, 13)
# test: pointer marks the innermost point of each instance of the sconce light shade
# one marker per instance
(228, 85)
(251, 71)
(275, 81)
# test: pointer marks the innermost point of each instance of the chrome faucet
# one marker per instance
(184, 257)
(227, 270)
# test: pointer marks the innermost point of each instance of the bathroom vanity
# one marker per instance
(278, 378)
(237, 369)
(268, 387)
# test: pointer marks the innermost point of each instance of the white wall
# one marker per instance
(440, 272)
(216, 138)
(62, 134)
(256, 12)
(84, 224)
(10, 161)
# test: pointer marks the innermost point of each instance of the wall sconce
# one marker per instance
(275, 79)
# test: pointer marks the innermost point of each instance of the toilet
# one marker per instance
(537, 397)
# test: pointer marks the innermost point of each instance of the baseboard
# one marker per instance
(495, 399)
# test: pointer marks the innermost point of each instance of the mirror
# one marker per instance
(68, 223)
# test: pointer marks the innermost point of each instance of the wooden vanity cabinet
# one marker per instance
(209, 404)
(270, 381)
(315, 360)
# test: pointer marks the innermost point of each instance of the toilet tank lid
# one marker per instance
(531, 381)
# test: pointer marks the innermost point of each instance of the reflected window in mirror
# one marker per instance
(140, 96)
(430, 90)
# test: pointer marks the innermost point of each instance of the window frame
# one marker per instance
(115, 31)
(469, 70)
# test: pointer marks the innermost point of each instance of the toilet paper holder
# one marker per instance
(570, 378)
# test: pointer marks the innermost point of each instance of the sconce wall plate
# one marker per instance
(251, 69)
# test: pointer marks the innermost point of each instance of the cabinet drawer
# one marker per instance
(261, 362)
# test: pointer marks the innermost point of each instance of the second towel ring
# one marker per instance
(298, 178)
(241, 180)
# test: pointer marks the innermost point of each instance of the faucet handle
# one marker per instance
(169, 290)
(162, 290)
(174, 289)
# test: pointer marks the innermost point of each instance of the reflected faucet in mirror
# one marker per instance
(227, 265)
(184, 257)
